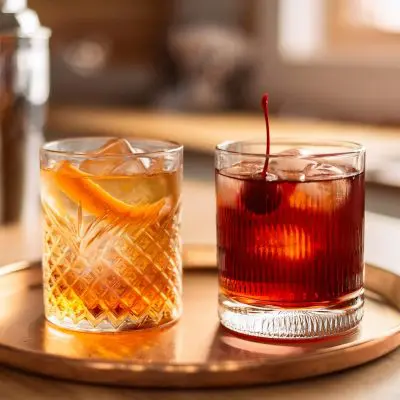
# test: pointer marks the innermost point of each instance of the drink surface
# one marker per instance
(290, 241)
(112, 252)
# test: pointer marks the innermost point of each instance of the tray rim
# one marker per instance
(381, 345)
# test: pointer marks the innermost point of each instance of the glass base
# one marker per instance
(291, 324)
(106, 326)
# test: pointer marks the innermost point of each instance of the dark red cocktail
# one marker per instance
(290, 241)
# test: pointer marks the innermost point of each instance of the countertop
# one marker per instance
(201, 132)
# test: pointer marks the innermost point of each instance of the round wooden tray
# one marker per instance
(195, 352)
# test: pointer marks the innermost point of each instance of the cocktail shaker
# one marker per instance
(24, 91)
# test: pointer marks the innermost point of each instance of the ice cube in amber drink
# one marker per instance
(112, 250)
(290, 243)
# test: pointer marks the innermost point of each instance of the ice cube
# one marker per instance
(99, 165)
(324, 170)
(324, 189)
(292, 165)
(294, 152)
(288, 242)
(115, 146)
(133, 181)
(248, 169)
(157, 165)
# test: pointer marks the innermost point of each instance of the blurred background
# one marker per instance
(194, 71)
(335, 59)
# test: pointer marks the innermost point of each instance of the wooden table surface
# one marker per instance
(204, 131)
(379, 379)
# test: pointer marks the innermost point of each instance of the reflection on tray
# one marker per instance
(141, 346)
(226, 345)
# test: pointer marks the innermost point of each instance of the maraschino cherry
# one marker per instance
(258, 194)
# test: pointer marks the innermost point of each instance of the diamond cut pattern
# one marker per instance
(115, 275)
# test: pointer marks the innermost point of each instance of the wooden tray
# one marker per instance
(196, 352)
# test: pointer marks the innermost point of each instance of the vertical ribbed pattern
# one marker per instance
(307, 251)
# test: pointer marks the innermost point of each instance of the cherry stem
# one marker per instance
(264, 105)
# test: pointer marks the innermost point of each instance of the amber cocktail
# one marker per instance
(112, 249)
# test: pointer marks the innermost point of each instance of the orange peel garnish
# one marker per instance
(78, 186)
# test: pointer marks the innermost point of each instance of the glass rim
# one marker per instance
(349, 148)
(175, 147)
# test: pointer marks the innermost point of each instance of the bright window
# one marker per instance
(331, 58)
